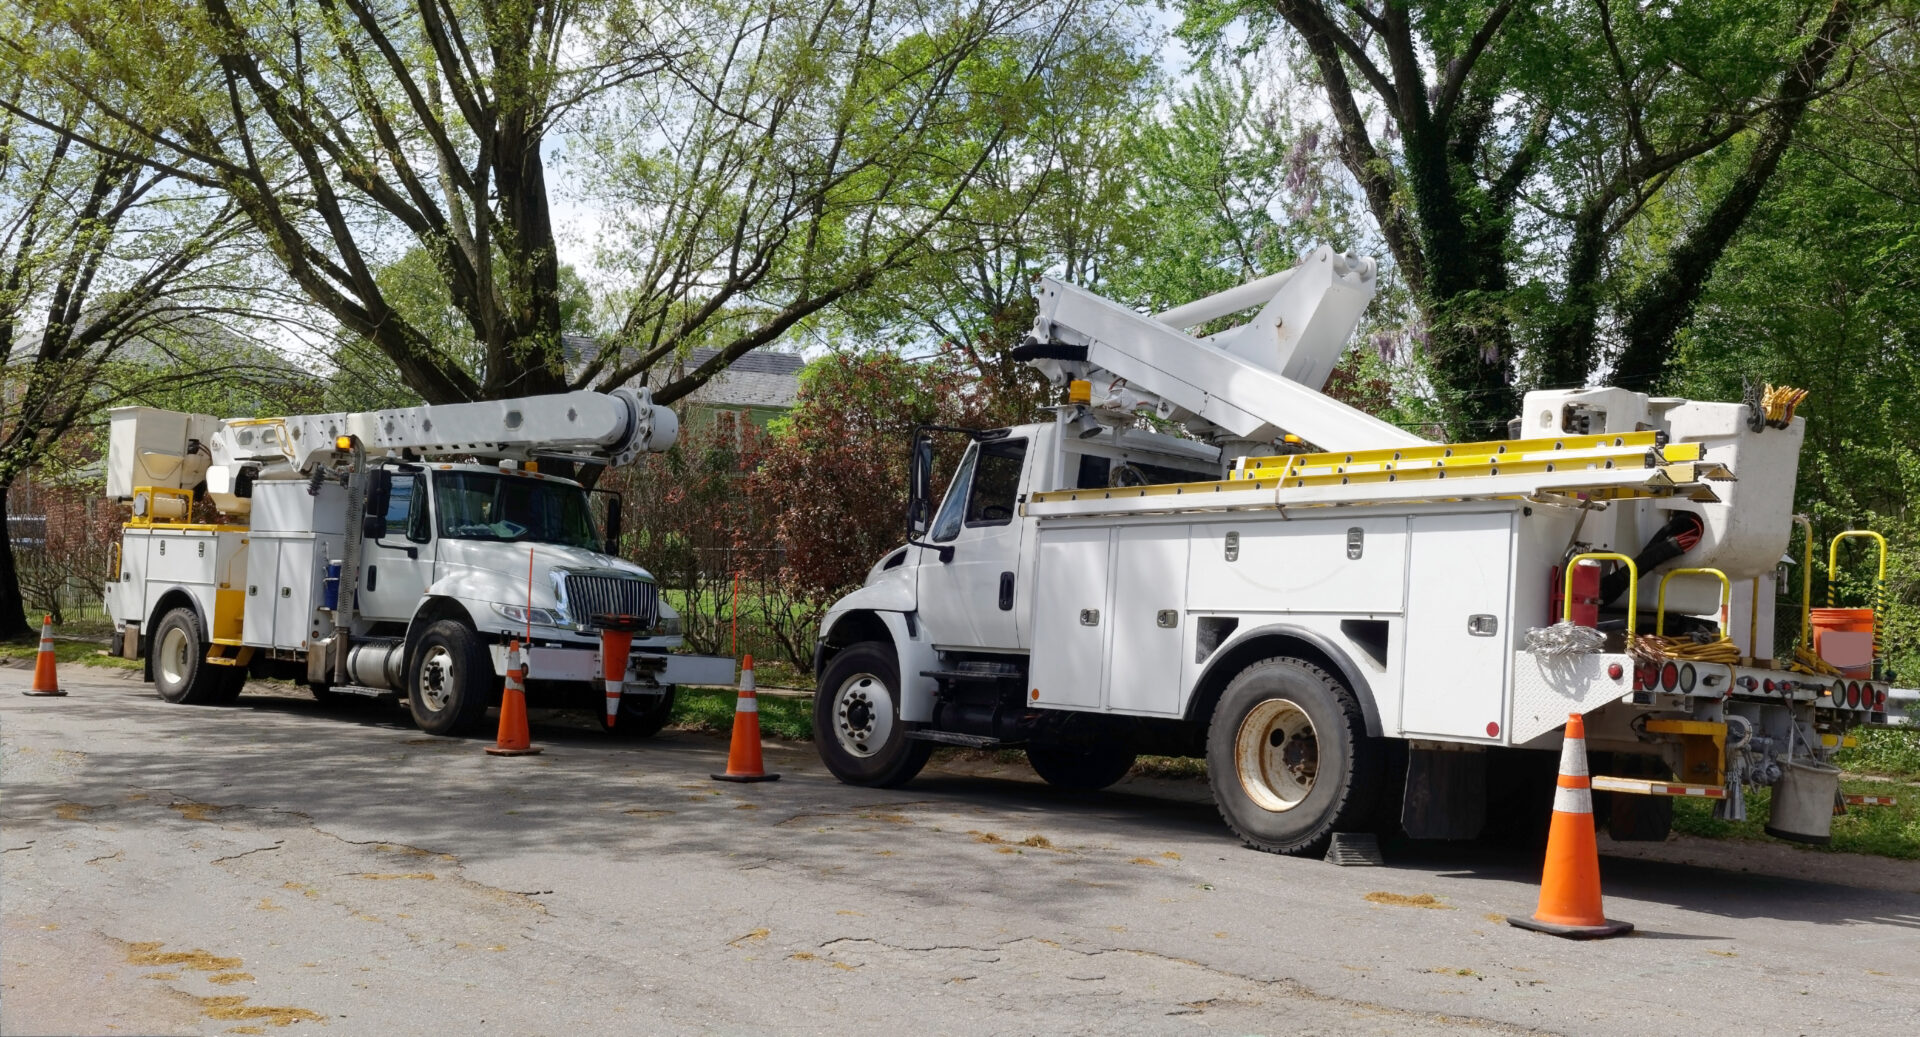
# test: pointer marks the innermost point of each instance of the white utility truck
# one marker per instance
(1359, 630)
(392, 553)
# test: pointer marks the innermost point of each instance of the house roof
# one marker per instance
(760, 378)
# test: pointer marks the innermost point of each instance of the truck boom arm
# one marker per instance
(605, 427)
(1251, 383)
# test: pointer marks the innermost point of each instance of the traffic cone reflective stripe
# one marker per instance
(45, 681)
(743, 754)
(615, 646)
(515, 738)
(1570, 903)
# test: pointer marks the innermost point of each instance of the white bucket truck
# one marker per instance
(392, 553)
(1359, 630)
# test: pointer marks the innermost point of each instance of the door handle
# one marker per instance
(1006, 592)
(373, 576)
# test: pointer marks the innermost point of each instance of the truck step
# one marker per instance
(973, 676)
(956, 738)
(361, 689)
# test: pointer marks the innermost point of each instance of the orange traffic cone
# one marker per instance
(1570, 886)
(743, 756)
(515, 738)
(615, 645)
(44, 681)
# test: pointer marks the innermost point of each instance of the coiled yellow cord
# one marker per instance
(1652, 648)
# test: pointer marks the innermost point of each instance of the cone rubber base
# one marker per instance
(48, 693)
(1572, 932)
(743, 778)
(497, 751)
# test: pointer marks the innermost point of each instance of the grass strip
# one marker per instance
(1884, 831)
(711, 709)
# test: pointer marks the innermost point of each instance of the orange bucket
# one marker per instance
(1844, 638)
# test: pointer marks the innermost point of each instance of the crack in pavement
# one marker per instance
(277, 843)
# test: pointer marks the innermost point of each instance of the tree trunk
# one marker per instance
(13, 605)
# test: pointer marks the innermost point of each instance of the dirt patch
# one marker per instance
(1426, 900)
(148, 953)
(226, 978)
(196, 811)
(382, 876)
(73, 811)
(234, 1008)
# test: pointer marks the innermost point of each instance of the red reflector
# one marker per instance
(1880, 700)
(1614, 670)
(1670, 676)
(1493, 729)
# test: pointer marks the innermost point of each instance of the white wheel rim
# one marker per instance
(437, 677)
(173, 656)
(862, 715)
(1277, 755)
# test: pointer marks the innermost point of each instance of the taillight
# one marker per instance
(1880, 700)
(1853, 693)
(1768, 685)
(1670, 676)
(1646, 676)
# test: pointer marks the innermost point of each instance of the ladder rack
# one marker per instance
(1553, 470)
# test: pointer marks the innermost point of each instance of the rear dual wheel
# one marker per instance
(1290, 760)
(181, 672)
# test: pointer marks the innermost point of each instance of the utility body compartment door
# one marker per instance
(1070, 623)
(1459, 617)
(1149, 616)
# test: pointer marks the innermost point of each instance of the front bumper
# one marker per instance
(645, 670)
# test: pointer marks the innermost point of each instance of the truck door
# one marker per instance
(397, 567)
(970, 601)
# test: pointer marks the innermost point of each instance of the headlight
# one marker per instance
(522, 614)
(669, 626)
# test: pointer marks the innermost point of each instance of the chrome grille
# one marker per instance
(590, 596)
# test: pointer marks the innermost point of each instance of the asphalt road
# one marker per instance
(174, 869)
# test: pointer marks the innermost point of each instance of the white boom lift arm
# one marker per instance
(1250, 384)
(591, 427)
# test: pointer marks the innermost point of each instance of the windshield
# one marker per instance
(484, 506)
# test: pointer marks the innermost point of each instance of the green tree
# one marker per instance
(109, 273)
(759, 163)
(1506, 150)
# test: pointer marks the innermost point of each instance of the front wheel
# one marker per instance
(641, 716)
(856, 720)
(450, 683)
(1289, 758)
(1082, 769)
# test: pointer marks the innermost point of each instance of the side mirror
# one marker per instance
(373, 523)
(920, 487)
(613, 526)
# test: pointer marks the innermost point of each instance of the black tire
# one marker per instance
(181, 672)
(859, 698)
(450, 679)
(641, 716)
(1638, 819)
(231, 681)
(1081, 769)
(1322, 775)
